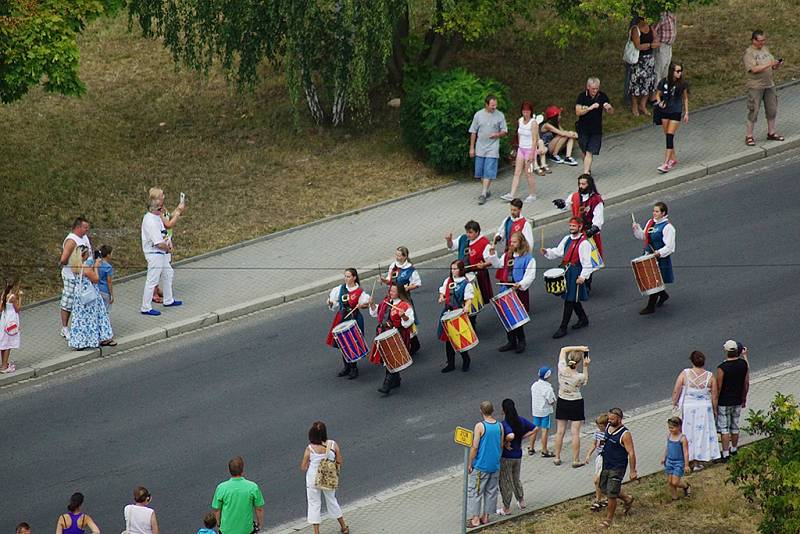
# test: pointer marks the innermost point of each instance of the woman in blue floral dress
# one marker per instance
(90, 327)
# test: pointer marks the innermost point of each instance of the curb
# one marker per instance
(657, 183)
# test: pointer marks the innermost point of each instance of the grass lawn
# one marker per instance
(714, 508)
(245, 170)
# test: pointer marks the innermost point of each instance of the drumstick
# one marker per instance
(633, 219)
(542, 241)
(373, 286)
(505, 283)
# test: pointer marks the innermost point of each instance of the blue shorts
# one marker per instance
(673, 467)
(541, 422)
(486, 167)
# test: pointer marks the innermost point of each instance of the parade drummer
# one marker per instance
(394, 311)
(456, 293)
(347, 300)
(520, 273)
(659, 239)
(473, 248)
(515, 222)
(587, 204)
(402, 272)
(577, 262)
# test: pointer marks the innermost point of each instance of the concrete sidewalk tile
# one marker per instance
(22, 373)
(318, 286)
(745, 155)
(776, 147)
(73, 357)
(193, 323)
(135, 340)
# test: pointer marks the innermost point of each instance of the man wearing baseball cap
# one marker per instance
(733, 381)
(542, 401)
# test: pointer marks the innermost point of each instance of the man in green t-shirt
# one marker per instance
(235, 500)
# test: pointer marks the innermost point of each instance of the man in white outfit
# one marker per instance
(157, 248)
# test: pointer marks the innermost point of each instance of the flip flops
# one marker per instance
(774, 137)
(749, 141)
(547, 454)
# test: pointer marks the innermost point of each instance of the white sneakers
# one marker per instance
(529, 199)
(65, 332)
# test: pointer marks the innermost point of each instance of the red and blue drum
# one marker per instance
(510, 310)
(351, 341)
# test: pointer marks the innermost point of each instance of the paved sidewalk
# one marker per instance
(713, 141)
(436, 506)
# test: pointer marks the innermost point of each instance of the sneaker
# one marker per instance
(174, 303)
(558, 159)
(481, 200)
(572, 162)
(529, 199)
(663, 168)
(10, 369)
(488, 193)
(154, 313)
(508, 197)
(671, 164)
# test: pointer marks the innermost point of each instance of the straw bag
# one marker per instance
(327, 472)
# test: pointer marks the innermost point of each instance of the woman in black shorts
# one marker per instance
(672, 105)
(569, 403)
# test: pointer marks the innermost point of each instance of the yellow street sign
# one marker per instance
(463, 436)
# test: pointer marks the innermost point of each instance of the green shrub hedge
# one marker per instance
(437, 111)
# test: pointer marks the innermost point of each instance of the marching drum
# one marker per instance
(350, 341)
(647, 274)
(392, 350)
(555, 281)
(477, 299)
(510, 310)
(459, 331)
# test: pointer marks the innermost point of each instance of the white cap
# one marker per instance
(730, 345)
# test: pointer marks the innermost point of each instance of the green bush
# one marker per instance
(437, 112)
(768, 471)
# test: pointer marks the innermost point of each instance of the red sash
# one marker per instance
(516, 226)
(572, 255)
(647, 227)
(474, 254)
(352, 300)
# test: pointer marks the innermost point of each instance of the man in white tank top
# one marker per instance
(77, 237)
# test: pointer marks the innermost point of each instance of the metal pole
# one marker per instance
(466, 475)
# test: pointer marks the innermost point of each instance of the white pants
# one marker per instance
(314, 496)
(663, 57)
(159, 272)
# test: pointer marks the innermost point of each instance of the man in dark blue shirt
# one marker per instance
(617, 454)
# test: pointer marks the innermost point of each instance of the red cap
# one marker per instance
(552, 111)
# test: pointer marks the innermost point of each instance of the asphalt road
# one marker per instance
(169, 416)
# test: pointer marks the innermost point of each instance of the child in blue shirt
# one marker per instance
(106, 274)
(210, 522)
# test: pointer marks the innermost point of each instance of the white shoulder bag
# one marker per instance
(631, 53)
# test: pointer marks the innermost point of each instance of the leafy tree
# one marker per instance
(768, 471)
(38, 44)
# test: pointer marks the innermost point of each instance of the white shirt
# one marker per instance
(137, 519)
(66, 272)
(669, 238)
(584, 253)
(152, 225)
(597, 218)
(527, 230)
(415, 280)
(530, 270)
(334, 297)
(469, 292)
(525, 133)
(405, 323)
(542, 398)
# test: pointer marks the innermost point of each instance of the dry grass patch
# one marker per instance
(714, 508)
(246, 171)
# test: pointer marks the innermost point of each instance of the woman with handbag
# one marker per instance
(10, 304)
(90, 327)
(643, 70)
(322, 461)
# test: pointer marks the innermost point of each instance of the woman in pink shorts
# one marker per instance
(528, 135)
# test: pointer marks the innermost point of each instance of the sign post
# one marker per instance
(463, 436)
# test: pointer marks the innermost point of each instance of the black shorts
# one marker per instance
(661, 115)
(590, 142)
(569, 410)
(611, 482)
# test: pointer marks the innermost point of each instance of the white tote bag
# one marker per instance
(631, 53)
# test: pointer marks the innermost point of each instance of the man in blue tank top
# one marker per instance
(484, 467)
(617, 453)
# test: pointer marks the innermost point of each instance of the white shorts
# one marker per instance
(598, 465)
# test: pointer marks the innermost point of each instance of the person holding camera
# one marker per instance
(758, 66)
(157, 248)
(569, 404)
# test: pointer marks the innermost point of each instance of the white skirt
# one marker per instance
(700, 428)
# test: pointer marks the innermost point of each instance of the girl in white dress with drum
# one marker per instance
(455, 328)
(659, 244)
(347, 330)
(392, 345)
